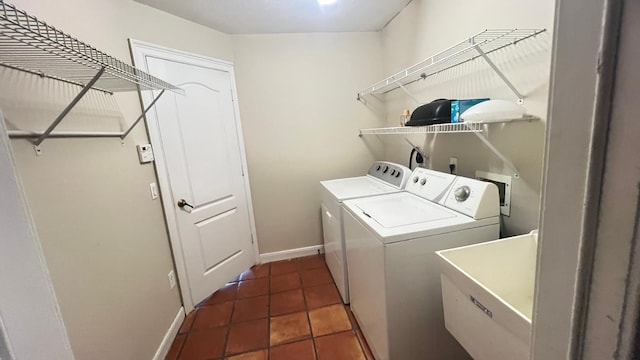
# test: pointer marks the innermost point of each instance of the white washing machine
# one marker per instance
(394, 278)
(383, 178)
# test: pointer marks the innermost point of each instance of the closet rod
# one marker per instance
(23, 134)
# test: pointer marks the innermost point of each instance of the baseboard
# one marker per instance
(290, 254)
(165, 345)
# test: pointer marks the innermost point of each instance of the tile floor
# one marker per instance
(286, 310)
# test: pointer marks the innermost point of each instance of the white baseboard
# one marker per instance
(290, 254)
(171, 334)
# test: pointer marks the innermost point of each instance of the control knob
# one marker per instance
(462, 193)
(415, 179)
(386, 168)
(393, 172)
(378, 168)
(423, 181)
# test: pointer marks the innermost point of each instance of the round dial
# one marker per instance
(393, 172)
(378, 168)
(423, 181)
(415, 179)
(386, 168)
(398, 174)
(462, 193)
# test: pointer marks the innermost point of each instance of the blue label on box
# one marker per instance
(460, 106)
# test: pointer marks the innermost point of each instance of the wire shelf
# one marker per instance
(33, 46)
(449, 128)
(470, 49)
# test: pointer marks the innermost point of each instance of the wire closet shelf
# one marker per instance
(478, 45)
(31, 45)
(447, 128)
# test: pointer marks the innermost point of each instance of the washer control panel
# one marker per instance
(391, 173)
(430, 184)
(474, 198)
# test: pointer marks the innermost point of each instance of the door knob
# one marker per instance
(182, 203)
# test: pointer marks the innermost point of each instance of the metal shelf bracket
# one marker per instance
(415, 99)
(66, 110)
(146, 110)
(49, 133)
(498, 153)
(500, 74)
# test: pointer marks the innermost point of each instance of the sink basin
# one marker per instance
(487, 293)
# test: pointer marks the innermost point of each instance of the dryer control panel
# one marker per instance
(394, 174)
(430, 184)
(474, 198)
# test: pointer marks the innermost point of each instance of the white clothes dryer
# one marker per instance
(382, 178)
(394, 278)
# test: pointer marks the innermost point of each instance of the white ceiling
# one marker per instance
(284, 16)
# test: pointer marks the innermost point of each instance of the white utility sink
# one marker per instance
(487, 293)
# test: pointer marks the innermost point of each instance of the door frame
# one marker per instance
(139, 50)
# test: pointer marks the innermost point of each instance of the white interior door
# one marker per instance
(197, 139)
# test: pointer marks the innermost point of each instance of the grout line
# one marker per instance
(226, 338)
(306, 307)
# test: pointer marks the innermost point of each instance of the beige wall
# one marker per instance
(300, 120)
(426, 27)
(103, 237)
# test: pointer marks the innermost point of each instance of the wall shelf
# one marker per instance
(476, 46)
(477, 128)
(30, 45)
(448, 128)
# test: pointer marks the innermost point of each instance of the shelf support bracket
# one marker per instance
(146, 110)
(500, 74)
(66, 110)
(498, 153)
(409, 93)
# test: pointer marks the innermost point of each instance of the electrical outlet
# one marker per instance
(172, 279)
(453, 165)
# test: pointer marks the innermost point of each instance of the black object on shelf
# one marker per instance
(435, 112)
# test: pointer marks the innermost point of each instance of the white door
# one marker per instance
(198, 147)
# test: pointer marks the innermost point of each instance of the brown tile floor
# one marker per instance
(286, 310)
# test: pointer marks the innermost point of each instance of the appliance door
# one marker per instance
(367, 284)
(334, 250)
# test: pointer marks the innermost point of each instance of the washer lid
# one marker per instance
(355, 187)
(396, 211)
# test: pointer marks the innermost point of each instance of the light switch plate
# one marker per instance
(154, 190)
(172, 279)
(145, 153)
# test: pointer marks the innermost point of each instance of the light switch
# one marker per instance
(154, 191)
(145, 153)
